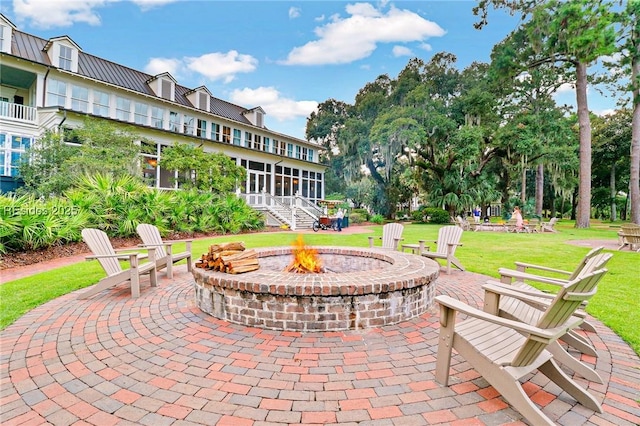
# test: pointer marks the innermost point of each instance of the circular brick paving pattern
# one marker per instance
(159, 360)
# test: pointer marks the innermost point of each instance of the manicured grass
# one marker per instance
(616, 304)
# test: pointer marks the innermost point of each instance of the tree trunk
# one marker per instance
(523, 194)
(634, 178)
(583, 213)
(539, 188)
(612, 186)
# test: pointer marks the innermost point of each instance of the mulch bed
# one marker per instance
(12, 260)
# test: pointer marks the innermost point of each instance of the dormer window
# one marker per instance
(6, 32)
(164, 86)
(200, 98)
(255, 116)
(65, 59)
(5, 39)
(63, 53)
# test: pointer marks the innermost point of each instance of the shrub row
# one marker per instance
(117, 206)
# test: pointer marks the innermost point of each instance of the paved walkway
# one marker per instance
(158, 360)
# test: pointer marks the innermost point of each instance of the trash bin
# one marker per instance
(345, 221)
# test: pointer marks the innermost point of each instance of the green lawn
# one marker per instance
(617, 303)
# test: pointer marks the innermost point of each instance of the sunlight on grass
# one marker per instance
(616, 304)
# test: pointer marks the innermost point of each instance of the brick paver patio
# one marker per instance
(158, 360)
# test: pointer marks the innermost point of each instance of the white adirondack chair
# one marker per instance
(463, 223)
(391, 236)
(103, 251)
(164, 258)
(504, 351)
(549, 226)
(446, 245)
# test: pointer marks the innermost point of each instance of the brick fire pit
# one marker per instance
(361, 288)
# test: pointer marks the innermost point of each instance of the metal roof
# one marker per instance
(30, 47)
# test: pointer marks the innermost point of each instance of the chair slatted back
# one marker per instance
(448, 235)
(150, 235)
(563, 306)
(585, 260)
(390, 233)
(99, 244)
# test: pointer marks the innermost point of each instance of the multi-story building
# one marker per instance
(53, 84)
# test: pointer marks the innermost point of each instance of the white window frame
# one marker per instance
(100, 108)
(56, 89)
(123, 108)
(79, 98)
(65, 58)
(157, 117)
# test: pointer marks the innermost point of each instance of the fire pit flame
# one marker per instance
(305, 259)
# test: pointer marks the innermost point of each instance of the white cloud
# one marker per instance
(426, 46)
(319, 18)
(145, 5)
(47, 14)
(50, 14)
(213, 66)
(222, 66)
(608, 111)
(401, 51)
(294, 12)
(274, 104)
(566, 88)
(356, 37)
(159, 65)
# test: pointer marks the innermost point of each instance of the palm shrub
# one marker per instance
(117, 206)
(29, 223)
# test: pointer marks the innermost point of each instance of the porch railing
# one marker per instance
(18, 112)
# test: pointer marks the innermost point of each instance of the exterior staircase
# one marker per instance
(295, 212)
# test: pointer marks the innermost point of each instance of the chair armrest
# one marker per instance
(507, 275)
(541, 335)
(540, 268)
(493, 290)
(133, 256)
(526, 292)
(123, 250)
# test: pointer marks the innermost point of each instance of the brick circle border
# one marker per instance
(380, 287)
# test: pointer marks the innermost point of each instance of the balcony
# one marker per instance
(17, 112)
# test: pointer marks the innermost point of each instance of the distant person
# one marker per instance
(339, 217)
(476, 214)
(518, 217)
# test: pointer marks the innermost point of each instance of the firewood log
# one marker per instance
(241, 262)
(242, 269)
(247, 254)
(234, 245)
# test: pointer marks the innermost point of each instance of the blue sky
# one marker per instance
(285, 56)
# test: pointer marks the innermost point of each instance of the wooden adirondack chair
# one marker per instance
(164, 258)
(549, 226)
(448, 240)
(530, 313)
(629, 235)
(517, 277)
(504, 351)
(103, 251)
(391, 236)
